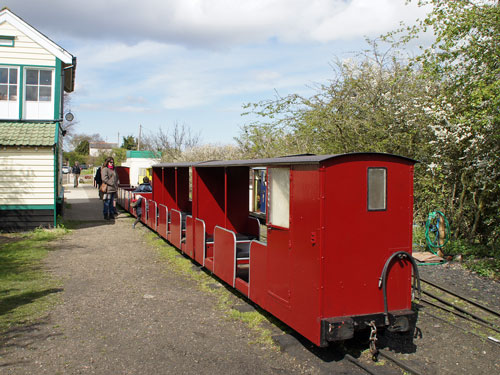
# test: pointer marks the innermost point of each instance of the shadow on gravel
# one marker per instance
(402, 342)
(24, 337)
(10, 303)
(98, 222)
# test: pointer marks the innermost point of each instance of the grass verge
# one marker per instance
(27, 291)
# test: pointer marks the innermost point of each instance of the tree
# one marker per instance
(171, 143)
(118, 153)
(72, 156)
(76, 140)
(464, 60)
(210, 152)
(129, 143)
(83, 147)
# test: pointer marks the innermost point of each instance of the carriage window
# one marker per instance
(279, 197)
(377, 189)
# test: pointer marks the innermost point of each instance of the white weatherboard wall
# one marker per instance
(26, 176)
(25, 50)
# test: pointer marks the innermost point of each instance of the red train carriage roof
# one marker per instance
(282, 160)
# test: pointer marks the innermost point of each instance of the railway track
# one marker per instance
(463, 307)
(400, 364)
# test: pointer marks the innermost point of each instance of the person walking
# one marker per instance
(98, 181)
(76, 173)
(109, 187)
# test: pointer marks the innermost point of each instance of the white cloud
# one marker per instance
(188, 79)
(266, 75)
(109, 107)
(100, 54)
(215, 23)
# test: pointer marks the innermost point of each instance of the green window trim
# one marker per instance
(56, 177)
(21, 91)
(57, 90)
(7, 40)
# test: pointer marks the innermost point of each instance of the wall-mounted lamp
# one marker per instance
(69, 116)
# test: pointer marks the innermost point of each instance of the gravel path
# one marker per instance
(123, 312)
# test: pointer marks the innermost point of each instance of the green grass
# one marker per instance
(27, 291)
(486, 267)
(484, 260)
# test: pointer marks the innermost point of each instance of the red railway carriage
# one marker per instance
(335, 252)
(123, 175)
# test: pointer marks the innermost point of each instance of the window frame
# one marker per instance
(38, 85)
(8, 84)
(9, 39)
(368, 179)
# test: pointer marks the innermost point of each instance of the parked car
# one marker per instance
(66, 169)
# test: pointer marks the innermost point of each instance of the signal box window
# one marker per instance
(38, 85)
(279, 197)
(38, 94)
(377, 189)
(8, 84)
(9, 93)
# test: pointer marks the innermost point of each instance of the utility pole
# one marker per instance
(139, 139)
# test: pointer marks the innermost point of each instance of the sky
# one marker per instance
(157, 63)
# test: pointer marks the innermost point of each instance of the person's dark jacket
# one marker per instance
(98, 177)
(76, 169)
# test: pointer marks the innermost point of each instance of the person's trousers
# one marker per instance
(76, 177)
(108, 208)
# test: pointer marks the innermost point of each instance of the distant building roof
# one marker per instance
(143, 154)
(102, 145)
(27, 134)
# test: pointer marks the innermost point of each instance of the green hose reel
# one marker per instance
(435, 226)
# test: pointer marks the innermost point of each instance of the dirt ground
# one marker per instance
(123, 311)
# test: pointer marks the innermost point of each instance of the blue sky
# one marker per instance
(196, 62)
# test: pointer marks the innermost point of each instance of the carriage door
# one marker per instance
(278, 232)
